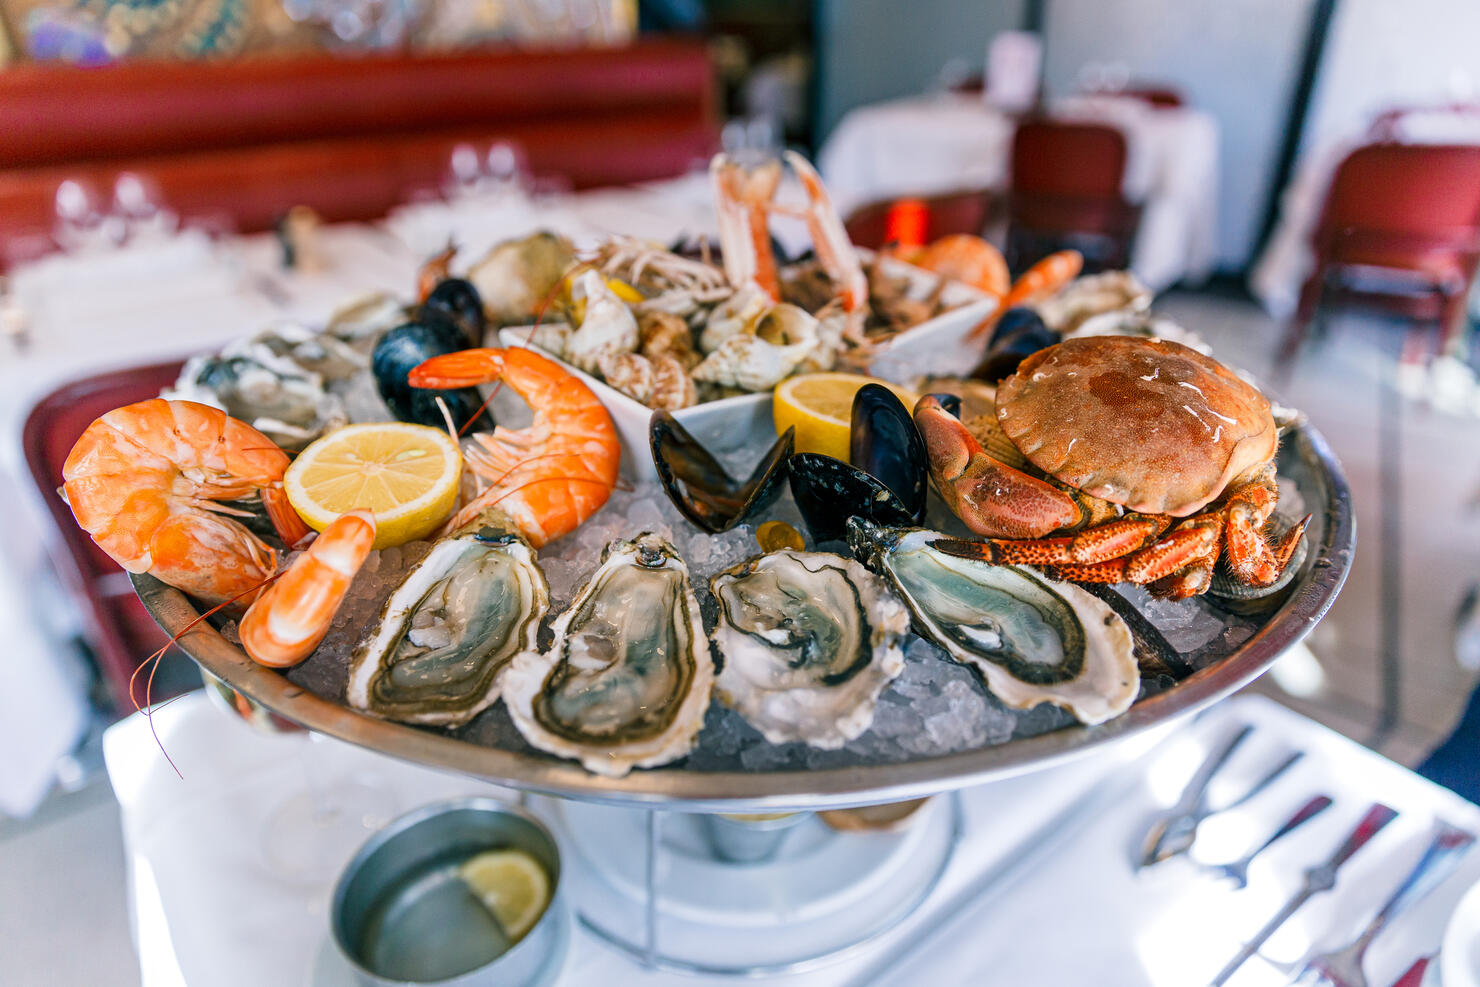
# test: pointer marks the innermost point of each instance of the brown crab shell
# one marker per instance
(1146, 423)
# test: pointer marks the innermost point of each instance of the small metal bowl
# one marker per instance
(750, 838)
(401, 915)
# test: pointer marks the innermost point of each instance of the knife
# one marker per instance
(1317, 879)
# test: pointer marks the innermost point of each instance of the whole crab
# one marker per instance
(1135, 439)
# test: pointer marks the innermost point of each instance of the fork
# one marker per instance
(1238, 870)
(1343, 967)
(1180, 830)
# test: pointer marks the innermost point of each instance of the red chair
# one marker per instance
(1066, 192)
(1400, 231)
(966, 211)
(120, 631)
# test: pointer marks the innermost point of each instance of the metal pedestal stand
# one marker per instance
(644, 944)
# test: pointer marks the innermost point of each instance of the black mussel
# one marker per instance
(699, 486)
(828, 492)
(951, 404)
(1019, 334)
(405, 347)
(885, 444)
(456, 301)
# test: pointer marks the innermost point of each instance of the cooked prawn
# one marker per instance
(1038, 282)
(966, 258)
(146, 481)
(551, 476)
(292, 615)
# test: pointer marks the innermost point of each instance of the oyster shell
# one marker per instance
(448, 631)
(1033, 640)
(810, 640)
(626, 682)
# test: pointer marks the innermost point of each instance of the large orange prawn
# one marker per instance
(550, 477)
(147, 482)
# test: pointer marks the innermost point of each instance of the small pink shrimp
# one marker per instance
(292, 615)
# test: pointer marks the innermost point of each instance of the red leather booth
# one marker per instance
(350, 137)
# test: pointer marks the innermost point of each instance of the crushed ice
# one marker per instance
(935, 707)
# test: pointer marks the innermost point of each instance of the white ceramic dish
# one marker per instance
(720, 425)
(937, 345)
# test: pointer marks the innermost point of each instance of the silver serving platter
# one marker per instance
(1305, 459)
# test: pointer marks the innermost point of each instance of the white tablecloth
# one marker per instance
(939, 143)
(1041, 890)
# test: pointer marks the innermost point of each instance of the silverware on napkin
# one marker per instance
(1317, 879)
(1175, 832)
(1238, 870)
(1343, 967)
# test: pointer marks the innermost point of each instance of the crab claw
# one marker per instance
(990, 497)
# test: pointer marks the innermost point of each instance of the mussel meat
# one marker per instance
(407, 346)
(701, 488)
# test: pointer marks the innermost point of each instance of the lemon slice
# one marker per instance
(406, 474)
(820, 408)
(512, 885)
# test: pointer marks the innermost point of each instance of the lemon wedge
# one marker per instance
(406, 474)
(820, 408)
(512, 885)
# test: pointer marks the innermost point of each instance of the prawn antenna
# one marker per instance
(153, 662)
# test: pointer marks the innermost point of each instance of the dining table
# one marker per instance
(944, 142)
(1046, 884)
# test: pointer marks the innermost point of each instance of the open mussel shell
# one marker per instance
(455, 300)
(885, 444)
(700, 487)
(406, 347)
(829, 491)
(1019, 334)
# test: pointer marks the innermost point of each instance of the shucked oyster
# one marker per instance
(627, 679)
(810, 640)
(451, 627)
(1033, 641)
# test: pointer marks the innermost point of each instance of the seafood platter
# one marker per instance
(705, 528)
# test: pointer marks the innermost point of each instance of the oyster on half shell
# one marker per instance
(810, 640)
(1033, 640)
(448, 631)
(627, 679)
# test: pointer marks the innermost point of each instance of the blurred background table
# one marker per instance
(946, 142)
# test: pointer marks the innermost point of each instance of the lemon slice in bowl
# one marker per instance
(820, 408)
(512, 885)
(406, 474)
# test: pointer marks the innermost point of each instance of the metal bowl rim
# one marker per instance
(737, 791)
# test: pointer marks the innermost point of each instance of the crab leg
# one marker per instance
(1250, 555)
(1193, 540)
(834, 250)
(742, 201)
